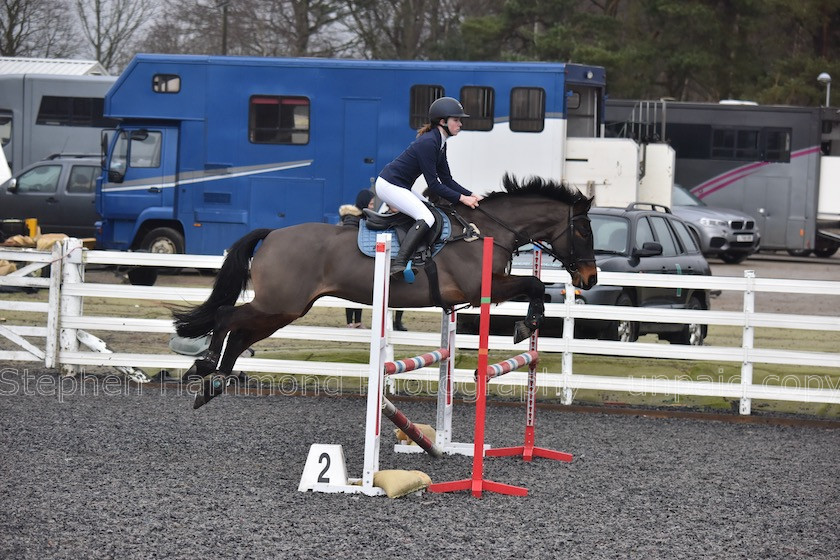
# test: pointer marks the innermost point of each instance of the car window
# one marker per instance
(82, 179)
(685, 236)
(643, 233)
(664, 236)
(42, 179)
(610, 233)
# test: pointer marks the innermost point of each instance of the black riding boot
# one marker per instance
(415, 236)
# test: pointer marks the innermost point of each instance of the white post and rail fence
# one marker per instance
(63, 341)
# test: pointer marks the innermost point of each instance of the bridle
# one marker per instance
(520, 239)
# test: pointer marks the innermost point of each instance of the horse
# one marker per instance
(296, 265)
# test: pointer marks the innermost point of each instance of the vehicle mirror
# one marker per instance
(115, 176)
(649, 249)
(11, 185)
(140, 135)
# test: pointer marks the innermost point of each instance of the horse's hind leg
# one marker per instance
(246, 327)
(208, 362)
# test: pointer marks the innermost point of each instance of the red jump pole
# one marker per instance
(478, 483)
(528, 450)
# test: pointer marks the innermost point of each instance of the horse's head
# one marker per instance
(538, 205)
(575, 246)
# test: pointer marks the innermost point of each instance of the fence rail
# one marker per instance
(67, 345)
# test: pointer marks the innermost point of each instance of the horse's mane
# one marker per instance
(537, 185)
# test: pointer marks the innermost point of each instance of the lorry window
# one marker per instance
(41, 179)
(777, 145)
(145, 150)
(117, 165)
(479, 104)
(72, 111)
(166, 83)
(82, 179)
(420, 98)
(278, 119)
(527, 109)
(5, 130)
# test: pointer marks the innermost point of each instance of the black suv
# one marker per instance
(59, 191)
(641, 238)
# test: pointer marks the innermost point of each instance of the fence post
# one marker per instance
(53, 302)
(568, 336)
(747, 342)
(72, 272)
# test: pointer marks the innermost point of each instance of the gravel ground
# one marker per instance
(118, 472)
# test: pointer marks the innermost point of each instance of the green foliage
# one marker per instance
(704, 50)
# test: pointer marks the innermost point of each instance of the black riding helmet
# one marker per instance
(444, 108)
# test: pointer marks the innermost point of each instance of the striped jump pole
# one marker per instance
(477, 483)
(511, 364)
(410, 364)
(528, 449)
(399, 419)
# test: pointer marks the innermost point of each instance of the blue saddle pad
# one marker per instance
(367, 237)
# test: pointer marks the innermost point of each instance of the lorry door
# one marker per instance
(140, 178)
(359, 168)
(767, 199)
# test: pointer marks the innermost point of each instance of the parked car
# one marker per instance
(727, 234)
(58, 191)
(641, 238)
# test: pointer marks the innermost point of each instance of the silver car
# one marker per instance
(727, 234)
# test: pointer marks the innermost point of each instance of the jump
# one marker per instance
(295, 266)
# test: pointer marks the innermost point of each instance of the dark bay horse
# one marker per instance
(295, 266)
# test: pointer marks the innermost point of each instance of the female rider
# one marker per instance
(426, 156)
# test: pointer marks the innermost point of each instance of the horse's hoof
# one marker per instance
(213, 386)
(521, 332)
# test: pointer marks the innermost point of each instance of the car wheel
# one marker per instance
(798, 252)
(825, 252)
(733, 258)
(693, 333)
(163, 240)
(623, 331)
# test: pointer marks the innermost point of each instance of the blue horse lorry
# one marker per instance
(209, 148)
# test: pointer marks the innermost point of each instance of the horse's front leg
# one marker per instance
(509, 287)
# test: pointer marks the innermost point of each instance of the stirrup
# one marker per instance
(407, 273)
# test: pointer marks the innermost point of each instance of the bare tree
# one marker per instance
(250, 27)
(406, 29)
(110, 26)
(41, 28)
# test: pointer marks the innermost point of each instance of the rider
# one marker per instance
(426, 156)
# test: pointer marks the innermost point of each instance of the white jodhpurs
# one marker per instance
(403, 200)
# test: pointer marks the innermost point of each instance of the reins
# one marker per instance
(520, 239)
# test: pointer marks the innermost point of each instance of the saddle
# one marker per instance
(397, 224)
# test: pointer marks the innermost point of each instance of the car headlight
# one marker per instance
(713, 222)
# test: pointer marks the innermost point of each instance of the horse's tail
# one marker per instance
(231, 280)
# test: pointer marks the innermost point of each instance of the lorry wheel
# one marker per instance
(798, 252)
(825, 252)
(142, 276)
(163, 240)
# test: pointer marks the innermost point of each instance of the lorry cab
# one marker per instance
(139, 181)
